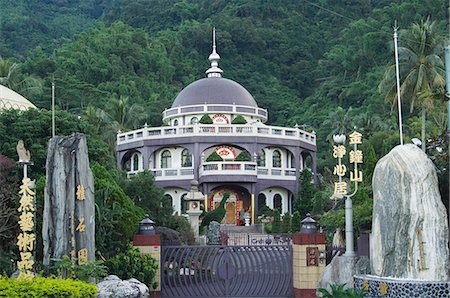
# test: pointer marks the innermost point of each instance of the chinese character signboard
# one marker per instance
(27, 238)
(341, 188)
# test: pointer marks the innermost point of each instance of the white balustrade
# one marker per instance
(210, 129)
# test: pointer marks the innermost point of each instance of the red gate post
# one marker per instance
(148, 242)
(308, 260)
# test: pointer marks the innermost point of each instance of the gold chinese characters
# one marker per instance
(26, 239)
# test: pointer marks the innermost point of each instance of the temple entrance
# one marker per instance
(236, 206)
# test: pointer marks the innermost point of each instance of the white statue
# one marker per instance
(24, 154)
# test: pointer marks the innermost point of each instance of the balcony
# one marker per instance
(173, 174)
(277, 173)
(248, 169)
(246, 130)
(228, 168)
(216, 108)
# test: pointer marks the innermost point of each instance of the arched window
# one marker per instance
(175, 122)
(277, 202)
(292, 160)
(261, 201)
(261, 158)
(135, 162)
(167, 201)
(276, 159)
(184, 204)
(194, 120)
(186, 159)
(127, 165)
(166, 159)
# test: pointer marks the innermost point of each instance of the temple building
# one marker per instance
(215, 133)
(10, 99)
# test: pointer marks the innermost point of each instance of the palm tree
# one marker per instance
(119, 115)
(421, 70)
(339, 121)
(11, 77)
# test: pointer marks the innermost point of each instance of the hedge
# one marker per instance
(46, 287)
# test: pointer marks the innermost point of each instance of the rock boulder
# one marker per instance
(409, 225)
(114, 287)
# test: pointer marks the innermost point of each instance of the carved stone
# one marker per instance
(409, 225)
(213, 234)
(67, 168)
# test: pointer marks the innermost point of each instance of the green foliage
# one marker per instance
(304, 202)
(182, 226)
(7, 263)
(206, 119)
(133, 264)
(33, 126)
(46, 288)
(243, 156)
(239, 119)
(218, 213)
(92, 269)
(145, 194)
(116, 216)
(296, 222)
(286, 223)
(276, 224)
(339, 291)
(265, 211)
(214, 156)
(9, 181)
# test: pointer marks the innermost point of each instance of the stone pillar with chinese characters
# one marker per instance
(69, 208)
(194, 197)
(308, 261)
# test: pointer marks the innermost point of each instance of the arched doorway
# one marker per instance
(236, 205)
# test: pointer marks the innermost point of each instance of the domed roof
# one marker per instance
(10, 99)
(214, 90)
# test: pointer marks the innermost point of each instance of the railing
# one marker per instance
(258, 239)
(220, 168)
(211, 130)
(205, 108)
(183, 173)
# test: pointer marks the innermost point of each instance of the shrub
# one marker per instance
(265, 211)
(183, 227)
(206, 119)
(286, 223)
(133, 264)
(296, 222)
(243, 156)
(168, 236)
(276, 224)
(214, 156)
(46, 287)
(7, 263)
(339, 291)
(92, 269)
(239, 120)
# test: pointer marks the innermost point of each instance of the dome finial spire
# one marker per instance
(214, 71)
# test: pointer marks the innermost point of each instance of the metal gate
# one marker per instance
(226, 271)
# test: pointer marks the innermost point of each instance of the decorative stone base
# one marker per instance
(375, 286)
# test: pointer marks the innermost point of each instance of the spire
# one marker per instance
(214, 71)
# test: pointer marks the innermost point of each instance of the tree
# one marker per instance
(339, 121)
(422, 70)
(206, 119)
(145, 194)
(304, 203)
(12, 77)
(8, 197)
(239, 120)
